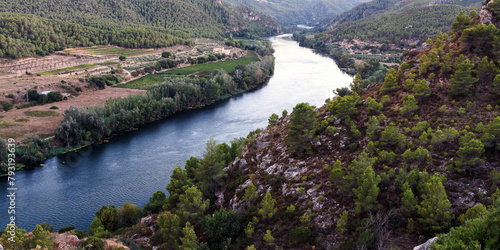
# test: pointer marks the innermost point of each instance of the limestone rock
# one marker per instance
(426, 245)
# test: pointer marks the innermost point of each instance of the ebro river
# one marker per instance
(69, 189)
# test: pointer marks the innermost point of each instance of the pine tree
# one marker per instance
(421, 89)
(268, 238)
(469, 154)
(301, 129)
(250, 193)
(486, 71)
(408, 200)
(410, 105)
(434, 210)
(391, 82)
(192, 206)
(189, 241)
(496, 85)
(178, 184)
(342, 223)
(462, 82)
(41, 239)
(268, 207)
(357, 84)
(390, 136)
(367, 191)
(461, 22)
(170, 228)
(210, 174)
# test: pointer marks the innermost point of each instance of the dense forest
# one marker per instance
(293, 12)
(24, 35)
(378, 8)
(49, 25)
(416, 24)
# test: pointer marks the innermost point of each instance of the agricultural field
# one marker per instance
(145, 82)
(109, 51)
(227, 65)
(82, 66)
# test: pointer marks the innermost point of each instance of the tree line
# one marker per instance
(86, 125)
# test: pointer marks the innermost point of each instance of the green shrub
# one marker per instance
(66, 229)
(300, 235)
(93, 243)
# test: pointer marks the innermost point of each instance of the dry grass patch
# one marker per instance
(41, 113)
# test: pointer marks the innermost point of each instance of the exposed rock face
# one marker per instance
(426, 245)
(67, 241)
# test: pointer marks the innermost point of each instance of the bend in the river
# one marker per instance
(69, 189)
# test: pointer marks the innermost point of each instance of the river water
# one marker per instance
(68, 190)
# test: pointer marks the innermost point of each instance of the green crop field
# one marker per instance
(228, 65)
(147, 81)
(144, 82)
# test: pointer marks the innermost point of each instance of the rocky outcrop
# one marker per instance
(66, 241)
(426, 245)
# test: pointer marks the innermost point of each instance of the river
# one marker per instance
(69, 189)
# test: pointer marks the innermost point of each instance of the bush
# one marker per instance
(54, 107)
(78, 89)
(66, 229)
(122, 58)
(93, 243)
(54, 97)
(7, 106)
(300, 235)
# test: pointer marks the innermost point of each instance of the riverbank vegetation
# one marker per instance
(173, 95)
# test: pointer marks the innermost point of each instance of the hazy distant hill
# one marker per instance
(299, 11)
(394, 21)
(377, 8)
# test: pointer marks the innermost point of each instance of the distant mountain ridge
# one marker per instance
(290, 12)
(399, 22)
(378, 8)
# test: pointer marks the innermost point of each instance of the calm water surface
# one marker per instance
(133, 166)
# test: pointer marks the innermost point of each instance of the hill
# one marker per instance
(385, 167)
(128, 23)
(395, 21)
(292, 12)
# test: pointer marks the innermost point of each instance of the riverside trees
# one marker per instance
(86, 125)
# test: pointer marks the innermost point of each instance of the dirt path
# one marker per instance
(45, 126)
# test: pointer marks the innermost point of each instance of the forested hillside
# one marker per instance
(291, 12)
(396, 21)
(384, 167)
(128, 23)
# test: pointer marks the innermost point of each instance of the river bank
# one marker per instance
(132, 166)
